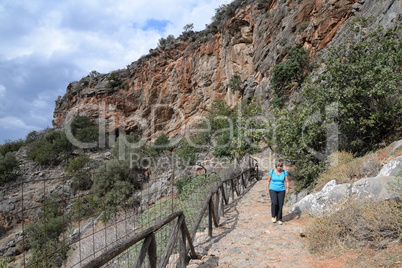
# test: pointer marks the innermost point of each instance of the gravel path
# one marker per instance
(247, 237)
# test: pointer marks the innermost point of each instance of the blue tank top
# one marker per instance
(277, 181)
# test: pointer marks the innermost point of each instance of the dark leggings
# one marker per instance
(277, 200)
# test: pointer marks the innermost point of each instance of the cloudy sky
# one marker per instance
(47, 44)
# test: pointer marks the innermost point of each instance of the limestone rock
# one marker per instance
(172, 87)
(321, 203)
(392, 168)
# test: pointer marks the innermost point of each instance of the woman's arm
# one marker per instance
(287, 183)
(268, 181)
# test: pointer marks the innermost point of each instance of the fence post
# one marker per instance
(258, 172)
(210, 208)
(222, 202)
(153, 257)
(182, 246)
(223, 194)
(147, 248)
(243, 180)
(216, 207)
(233, 188)
(184, 229)
(170, 245)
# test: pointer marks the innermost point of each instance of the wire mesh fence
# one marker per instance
(60, 227)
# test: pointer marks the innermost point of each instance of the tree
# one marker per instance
(161, 143)
(235, 83)
(363, 78)
(352, 103)
(114, 184)
(289, 71)
(188, 27)
(84, 129)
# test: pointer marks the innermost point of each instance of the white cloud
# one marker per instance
(15, 123)
(47, 44)
(2, 91)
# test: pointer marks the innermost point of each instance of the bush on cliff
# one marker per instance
(51, 148)
(11, 146)
(353, 104)
(84, 129)
(161, 144)
(79, 169)
(114, 184)
(44, 235)
(290, 71)
(8, 167)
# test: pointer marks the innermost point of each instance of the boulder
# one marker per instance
(392, 168)
(376, 188)
(321, 203)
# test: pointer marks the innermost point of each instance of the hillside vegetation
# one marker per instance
(347, 100)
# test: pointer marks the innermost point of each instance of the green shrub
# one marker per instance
(362, 80)
(235, 83)
(189, 186)
(4, 261)
(186, 152)
(289, 71)
(42, 153)
(180, 183)
(43, 235)
(94, 74)
(306, 171)
(88, 134)
(81, 181)
(8, 167)
(52, 254)
(84, 207)
(264, 4)
(84, 129)
(115, 183)
(34, 136)
(80, 122)
(114, 81)
(51, 149)
(188, 27)
(352, 105)
(232, 132)
(161, 144)
(166, 42)
(226, 11)
(59, 141)
(11, 146)
(224, 144)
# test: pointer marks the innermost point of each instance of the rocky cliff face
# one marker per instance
(170, 88)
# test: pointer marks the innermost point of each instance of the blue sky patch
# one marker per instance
(152, 24)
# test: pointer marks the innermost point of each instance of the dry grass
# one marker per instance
(342, 168)
(356, 223)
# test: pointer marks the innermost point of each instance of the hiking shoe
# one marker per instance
(273, 220)
(280, 222)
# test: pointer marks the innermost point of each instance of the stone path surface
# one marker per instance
(247, 237)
